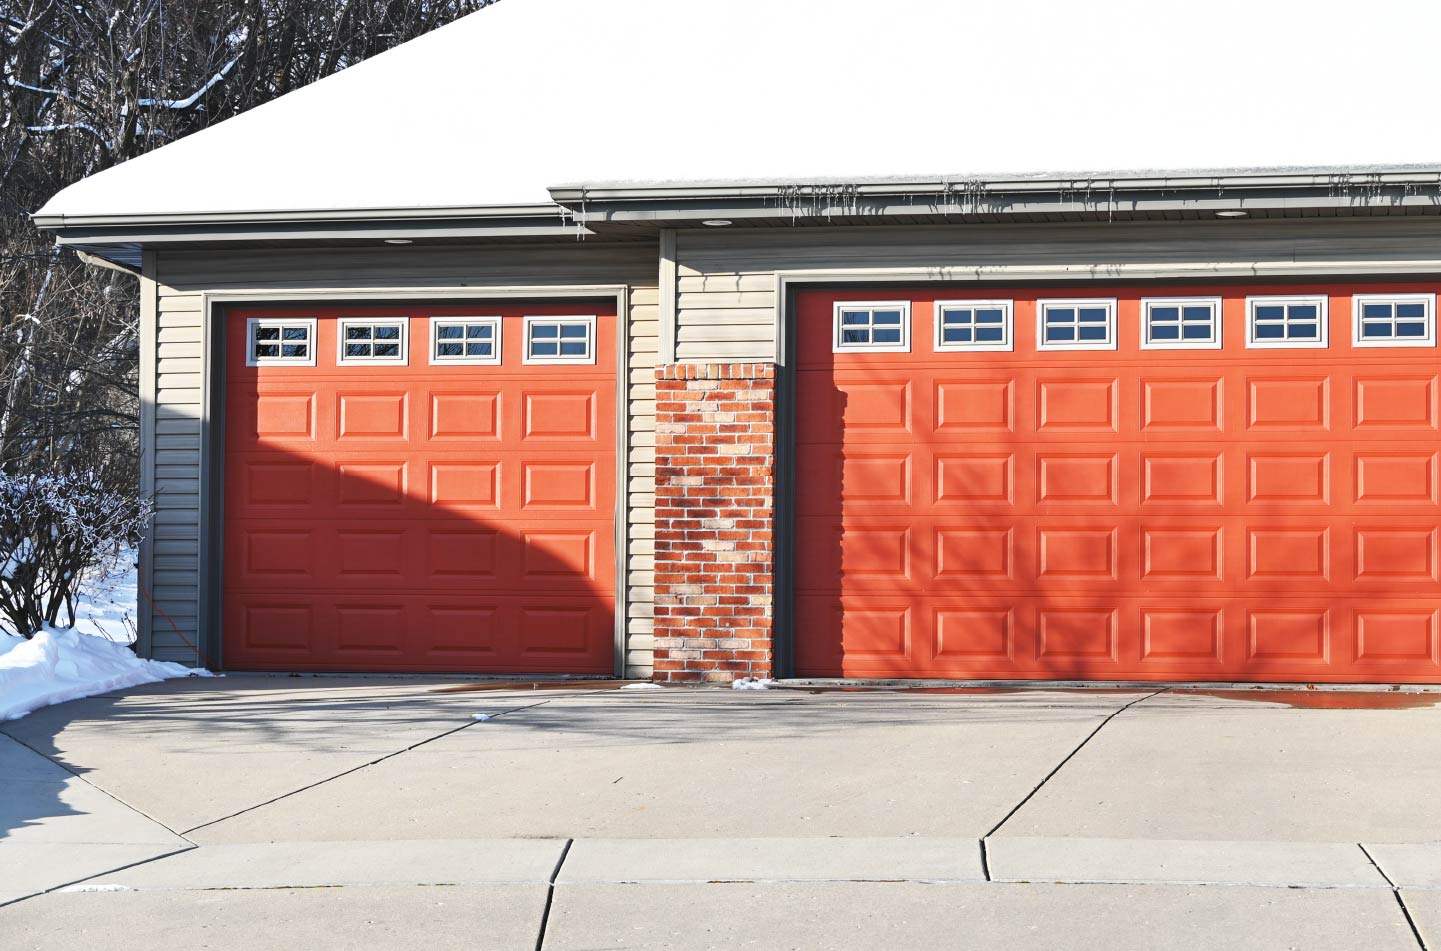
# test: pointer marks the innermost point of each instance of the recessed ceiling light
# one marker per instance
(1237, 213)
(398, 241)
(717, 222)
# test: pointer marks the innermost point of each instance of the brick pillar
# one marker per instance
(715, 474)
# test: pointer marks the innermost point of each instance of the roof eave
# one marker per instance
(1087, 196)
(120, 238)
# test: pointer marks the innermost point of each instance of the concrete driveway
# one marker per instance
(259, 812)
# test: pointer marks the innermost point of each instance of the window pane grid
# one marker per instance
(1399, 321)
(280, 342)
(973, 325)
(879, 326)
(1280, 322)
(562, 339)
(870, 326)
(1077, 325)
(363, 341)
(465, 340)
(1180, 323)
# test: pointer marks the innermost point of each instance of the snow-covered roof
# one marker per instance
(495, 108)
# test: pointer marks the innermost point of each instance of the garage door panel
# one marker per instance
(270, 627)
(1187, 637)
(560, 415)
(273, 485)
(367, 417)
(1292, 403)
(417, 516)
(1184, 478)
(372, 556)
(969, 408)
(467, 414)
(976, 478)
(1089, 404)
(1288, 477)
(367, 487)
(1185, 553)
(1394, 554)
(470, 486)
(1090, 478)
(1388, 403)
(1186, 405)
(1399, 477)
(1397, 635)
(275, 417)
(1229, 513)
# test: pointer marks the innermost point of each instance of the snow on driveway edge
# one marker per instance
(60, 664)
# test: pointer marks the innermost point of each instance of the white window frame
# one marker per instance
(1181, 344)
(1358, 301)
(904, 306)
(1323, 333)
(590, 343)
(254, 323)
(1109, 303)
(494, 322)
(1008, 321)
(341, 323)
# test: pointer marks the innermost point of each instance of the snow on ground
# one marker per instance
(106, 606)
(60, 664)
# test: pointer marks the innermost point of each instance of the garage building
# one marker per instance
(1158, 426)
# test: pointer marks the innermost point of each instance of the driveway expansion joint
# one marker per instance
(1396, 893)
(550, 895)
(100, 789)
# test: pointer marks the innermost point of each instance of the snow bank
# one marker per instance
(60, 664)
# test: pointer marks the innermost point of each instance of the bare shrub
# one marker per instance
(56, 532)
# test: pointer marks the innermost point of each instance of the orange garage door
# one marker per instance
(1181, 483)
(420, 489)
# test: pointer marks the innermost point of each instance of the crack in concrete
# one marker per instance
(1059, 766)
(356, 769)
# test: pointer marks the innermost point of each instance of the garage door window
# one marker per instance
(465, 340)
(276, 342)
(1181, 323)
(973, 325)
(560, 340)
(372, 341)
(877, 326)
(1087, 324)
(1394, 321)
(1274, 322)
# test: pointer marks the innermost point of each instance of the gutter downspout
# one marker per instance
(97, 261)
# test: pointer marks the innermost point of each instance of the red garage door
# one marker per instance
(420, 489)
(1180, 483)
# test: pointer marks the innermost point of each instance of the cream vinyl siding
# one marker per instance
(174, 399)
(726, 282)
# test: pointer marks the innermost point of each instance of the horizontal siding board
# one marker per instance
(722, 300)
(740, 318)
(753, 351)
(724, 333)
(724, 283)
